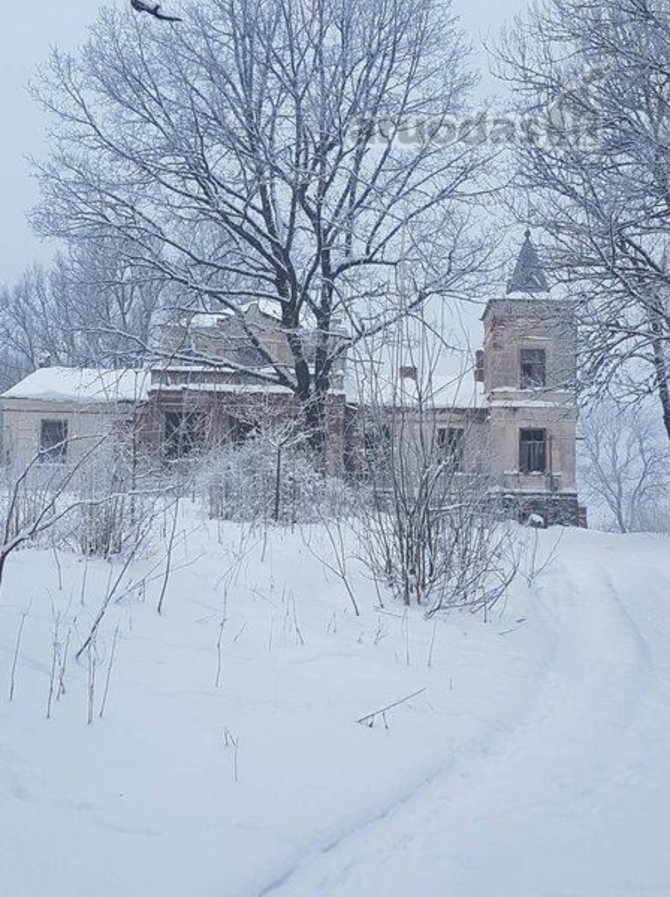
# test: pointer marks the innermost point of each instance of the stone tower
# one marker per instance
(529, 375)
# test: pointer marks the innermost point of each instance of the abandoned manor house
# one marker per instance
(211, 388)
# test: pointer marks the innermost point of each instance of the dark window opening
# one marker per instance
(251, 357)
(533, 451)
(533, 368)
(351, 432)
(241, 430)
(53, 440)
(451, 442)
(377, 443)
(184, 434)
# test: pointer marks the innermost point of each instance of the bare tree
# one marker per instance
(592, 171)
(90, 309)
(274, 151)
(626, 467)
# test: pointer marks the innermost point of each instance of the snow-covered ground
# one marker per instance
(536, 763)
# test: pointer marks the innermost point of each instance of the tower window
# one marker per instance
(53, 440)
(451, 442)
(533, 368)
(533, 451)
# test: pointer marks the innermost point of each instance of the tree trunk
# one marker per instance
(661, 371)
(277, 507)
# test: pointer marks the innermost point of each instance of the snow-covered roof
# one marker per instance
(211, 319)
(82, 385)
(240, 388)
(525, 403)
(458, 391)
(441, 391)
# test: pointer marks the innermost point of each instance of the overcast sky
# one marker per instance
(26, 32)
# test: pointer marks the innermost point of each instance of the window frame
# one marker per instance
(240, 431)
(527, 378)
(533, 452)
(377, 444)
(451, 442)
(187, 438)
(55, 452)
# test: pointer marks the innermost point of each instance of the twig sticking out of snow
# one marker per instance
(90, 690)
(82, 594)
(219, 640)
(168, 559)
(232, 741)
(17, 648)
(432, 643)
(62, 668)
(109, 673)
(111, 592)
(55, 661)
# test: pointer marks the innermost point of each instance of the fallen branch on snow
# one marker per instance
(369, 719)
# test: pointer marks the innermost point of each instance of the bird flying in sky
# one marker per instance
(154, 9)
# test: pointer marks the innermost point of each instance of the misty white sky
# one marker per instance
(26, 32)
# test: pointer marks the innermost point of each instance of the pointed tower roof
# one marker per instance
(528, 276)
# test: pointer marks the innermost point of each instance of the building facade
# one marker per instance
(513, 424)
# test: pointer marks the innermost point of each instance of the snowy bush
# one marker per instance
(259, 481)
(456, 553)
(116, 524)
(28, 491)
(433, 533)
(37, 498)
(113, 504)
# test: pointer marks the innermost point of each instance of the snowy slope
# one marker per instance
(535, 763)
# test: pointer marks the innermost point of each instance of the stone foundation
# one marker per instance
(556, 509)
